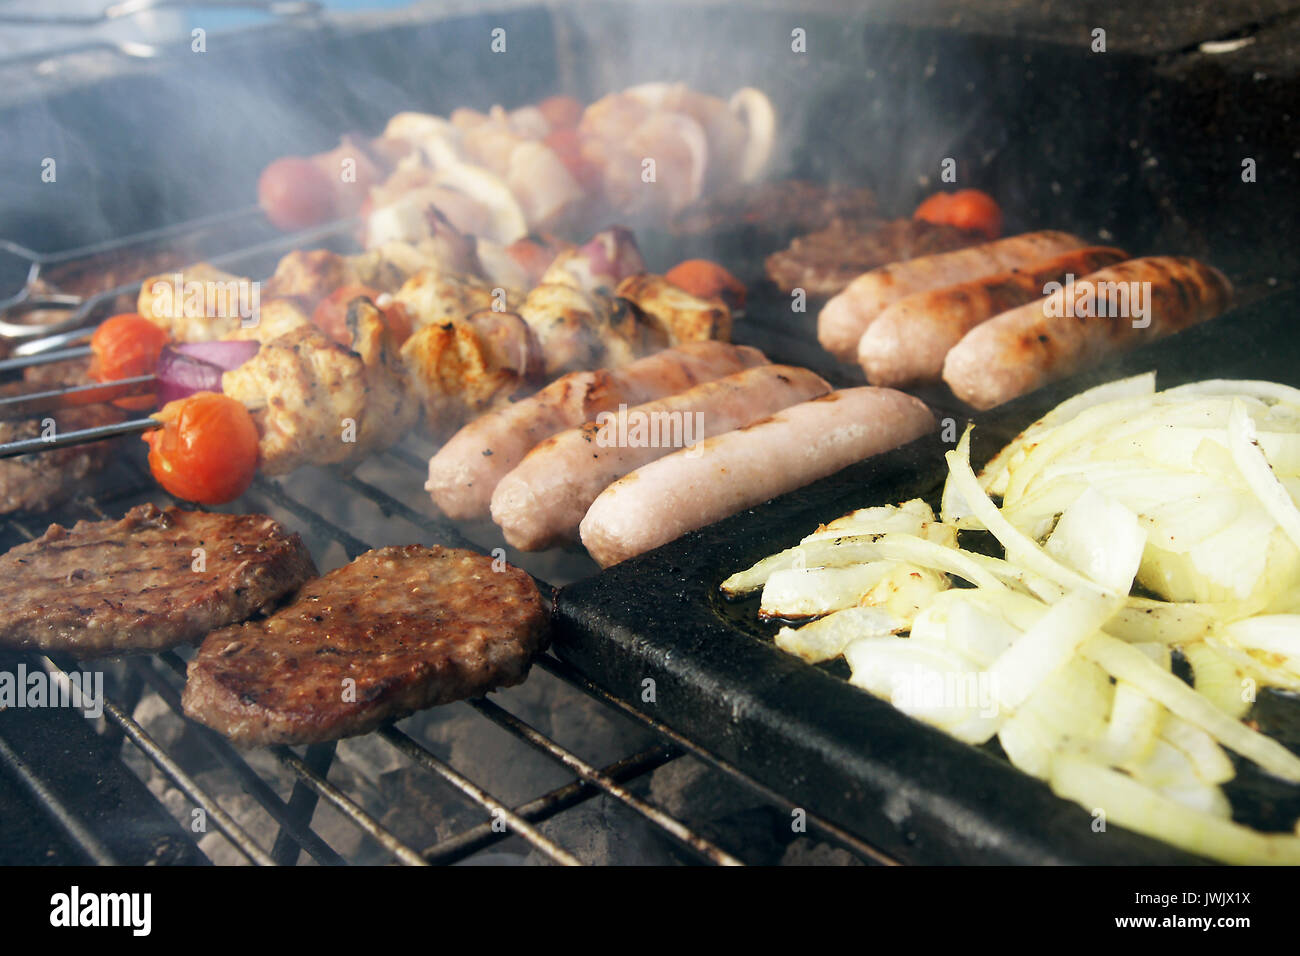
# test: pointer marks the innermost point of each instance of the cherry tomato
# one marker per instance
(708, 280)
(331, 314)
(126, 346)
(966, 209)
(206, 451)
(562, 112)
(295, 193)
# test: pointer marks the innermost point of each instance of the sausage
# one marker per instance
(906, 345)
(728, 473)
(844, 318)
(465, 472)
(1056, 336)
(542, 501)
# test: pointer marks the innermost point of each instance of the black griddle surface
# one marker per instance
(854, 759)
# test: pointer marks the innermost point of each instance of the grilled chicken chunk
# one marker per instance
(274, 319)
(459, 369)
(433, 296)
(201, 303)
(397, 630)
(581, 330)
(310, 275)
(315, 401)
(386, 267)
(150, 581)
(680, 316)
(566, 321)
(197, 304)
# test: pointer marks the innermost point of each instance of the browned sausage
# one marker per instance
(543, 500)
(463, 475)
(845, 317)
(906, 345)
(736, 470)
(1029, 346)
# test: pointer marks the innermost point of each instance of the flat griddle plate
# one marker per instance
(841, 753)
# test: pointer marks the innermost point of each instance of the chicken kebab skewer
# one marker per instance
(336, 389)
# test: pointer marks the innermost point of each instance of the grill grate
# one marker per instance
(295, 819)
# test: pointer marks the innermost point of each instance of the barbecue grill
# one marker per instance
(124, 822)
(1141, 143)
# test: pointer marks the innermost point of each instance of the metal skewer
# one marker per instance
(63, 439)
(73, 396)
(19, 363)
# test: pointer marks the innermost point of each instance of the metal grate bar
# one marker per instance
(525, 731)
(311, 770)
(482, 836)
(91, 844)
(173, 231)
(346, 806)
(229, 828)
(575, 764)
(335, 797)
(441, 530)
(408, 457)
(518, 824)
(302, 804)
(43, 358)
(251, 781)
(320, 525)
(565, 672)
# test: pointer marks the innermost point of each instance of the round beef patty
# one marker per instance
(150, 581)
(45, 479)
(397, 630)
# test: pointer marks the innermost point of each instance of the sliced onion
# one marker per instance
(1132, 804)
(1259, 474)
(181, 375)
(226, 356)
(1123, 662)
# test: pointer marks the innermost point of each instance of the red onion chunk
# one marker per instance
(181, 375)
(226, 356)
(613, 252)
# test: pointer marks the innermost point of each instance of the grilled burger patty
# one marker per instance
(45, 479)
(397, 630)
(824, 262)
(112, 587)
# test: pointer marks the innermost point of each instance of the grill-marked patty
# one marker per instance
(397, 630)
(45, 479)
(138, 584)
(824, 262)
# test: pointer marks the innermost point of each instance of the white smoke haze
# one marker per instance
(142, 143)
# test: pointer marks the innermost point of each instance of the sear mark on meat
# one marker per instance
(824, 262)
(115, 587)
(397, 630)
(44, 480)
